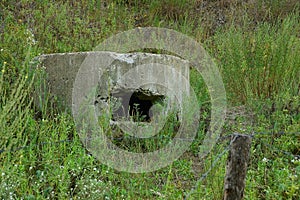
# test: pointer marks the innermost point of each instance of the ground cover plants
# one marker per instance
(256, 44)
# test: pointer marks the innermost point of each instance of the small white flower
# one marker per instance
(295, 159)
(30, 37)
(3, 174)
(1, 49)
(265, 159)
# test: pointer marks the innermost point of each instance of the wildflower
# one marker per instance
(295, 160)
(265, 159)
(30, 37)
(1, 50)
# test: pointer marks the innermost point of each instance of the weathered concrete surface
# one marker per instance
(137, 68)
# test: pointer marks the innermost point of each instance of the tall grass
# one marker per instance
(15, 106)
(259, 61)
(261, 64)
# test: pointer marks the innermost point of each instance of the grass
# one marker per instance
(257, 55)
(265, 63)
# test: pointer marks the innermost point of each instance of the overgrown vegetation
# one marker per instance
(256, 44)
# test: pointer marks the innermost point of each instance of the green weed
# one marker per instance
(256, 45)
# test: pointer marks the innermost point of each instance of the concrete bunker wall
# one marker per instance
(137, 92)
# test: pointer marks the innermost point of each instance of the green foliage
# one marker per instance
(257, 54)
(263, 64)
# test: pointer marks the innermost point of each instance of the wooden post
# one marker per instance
(236, 167)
